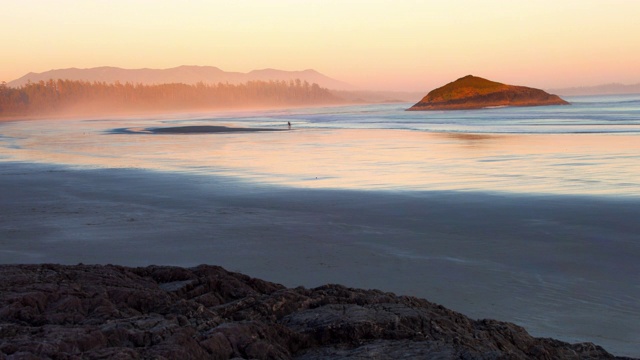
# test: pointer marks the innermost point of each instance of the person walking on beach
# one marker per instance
(289, 124)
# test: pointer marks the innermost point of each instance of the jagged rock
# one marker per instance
(160, 312)
(472, 92)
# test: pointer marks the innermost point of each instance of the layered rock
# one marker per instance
(99, 312)
(472, 92)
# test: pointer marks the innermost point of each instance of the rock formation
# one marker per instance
(472, 92)
(160, 312)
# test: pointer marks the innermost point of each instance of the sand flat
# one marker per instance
(193, 129)
(562, 266)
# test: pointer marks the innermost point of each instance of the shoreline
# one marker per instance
(379, 159)
(487, 256)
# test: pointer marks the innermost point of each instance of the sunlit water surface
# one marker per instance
(589, 148)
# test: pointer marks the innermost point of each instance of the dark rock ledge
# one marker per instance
(161, 312)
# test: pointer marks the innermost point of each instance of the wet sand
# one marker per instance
(561, 266)
(194, 129)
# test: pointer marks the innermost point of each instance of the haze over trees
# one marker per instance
(65, 97)
(185, 74)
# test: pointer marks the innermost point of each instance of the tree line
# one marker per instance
(84, 97)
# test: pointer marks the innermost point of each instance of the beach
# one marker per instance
(298, 180)
(521, 215)
(555, 265)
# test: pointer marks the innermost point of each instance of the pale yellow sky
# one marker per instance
(399, 44)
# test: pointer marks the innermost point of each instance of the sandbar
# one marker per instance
(192, 129)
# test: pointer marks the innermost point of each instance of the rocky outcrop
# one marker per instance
(158, 312)
(472, 92)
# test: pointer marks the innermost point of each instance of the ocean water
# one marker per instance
(591, 147)
(526, 215)
(588, 114)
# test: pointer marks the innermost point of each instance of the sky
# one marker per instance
(375, 44)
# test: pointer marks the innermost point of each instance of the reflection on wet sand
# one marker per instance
(470, 137)
(378, 159)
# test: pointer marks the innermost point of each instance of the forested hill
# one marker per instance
(185, 74)
(68, 97)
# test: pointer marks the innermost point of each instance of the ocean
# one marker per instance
(588, 148)
(526, 215)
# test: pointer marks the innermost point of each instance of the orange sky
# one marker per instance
(398, 45)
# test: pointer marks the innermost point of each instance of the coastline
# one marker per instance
(527, 260)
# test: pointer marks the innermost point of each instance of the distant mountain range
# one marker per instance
(606, 89)
(181, 74)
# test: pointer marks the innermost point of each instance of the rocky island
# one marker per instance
(472, 92)
(160, 312)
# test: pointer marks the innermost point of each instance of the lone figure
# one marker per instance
(289, 124)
